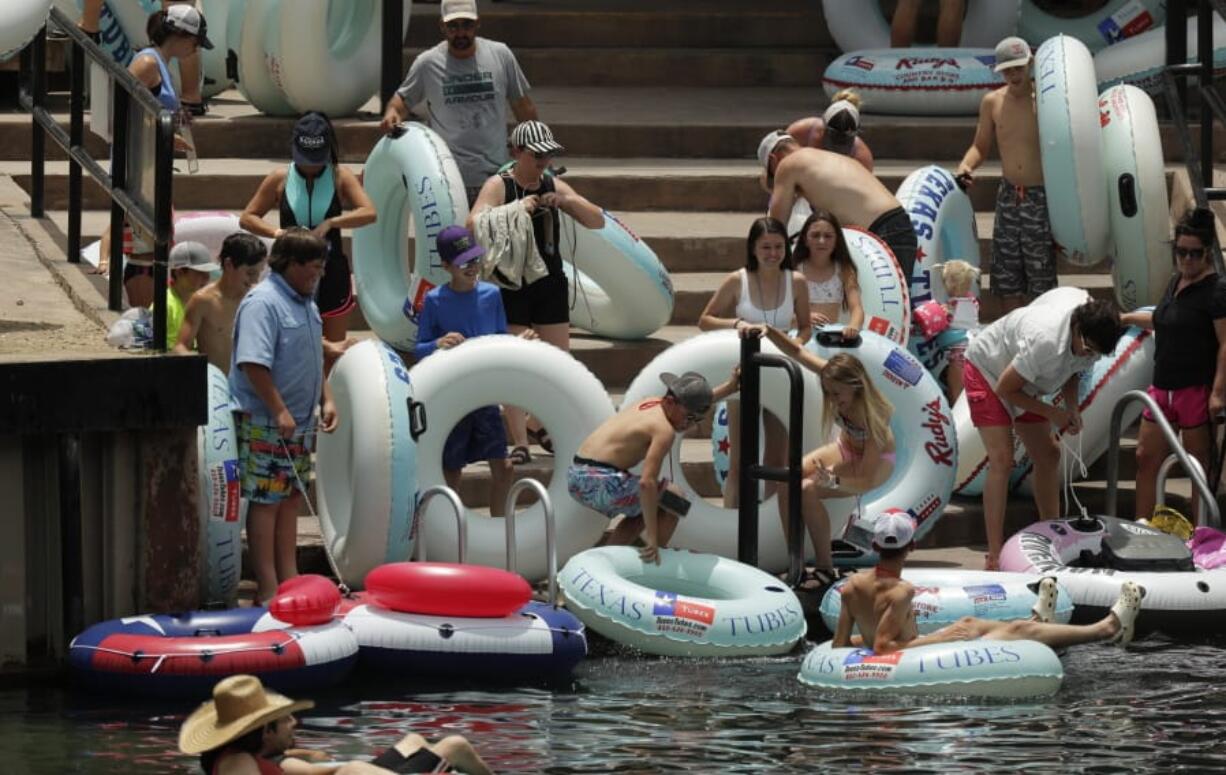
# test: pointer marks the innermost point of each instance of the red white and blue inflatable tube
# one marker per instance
(916, 81)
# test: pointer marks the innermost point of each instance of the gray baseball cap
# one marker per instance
(192, 255)
(691, 390)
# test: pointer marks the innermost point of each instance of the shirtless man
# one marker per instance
(599, 476)
(840, 184)
(1023, 254)
(208, 323)
(878, 603)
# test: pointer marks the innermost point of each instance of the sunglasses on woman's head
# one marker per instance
(1194, 253)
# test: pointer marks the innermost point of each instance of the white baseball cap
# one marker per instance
(458, 9)
(840, 107)
(893, 529)
(769, 144)
(1011, 52)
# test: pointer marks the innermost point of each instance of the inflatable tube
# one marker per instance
(259, 77)
(538, 642)
(944, 223)
(447, 589)
(541, 379)
(221, 548)
(856, 25)
(184, 655)
(333, 62)
(213, 60)
(1072, 154)
(367, 469)
(688, 605)
(624, 291)
(209, 228)
(305, 600)
(970, 668)
(942, 597)
(1141, 60)
(121, 26)
(1136, 184)
(1115, 21)
(410, 174)
(911, 81)
(20, 21)
(1089, 560)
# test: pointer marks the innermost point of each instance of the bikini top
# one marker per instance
(854, 432)
(779, 317)
(828, 291)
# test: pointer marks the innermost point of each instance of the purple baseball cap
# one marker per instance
(457, 246)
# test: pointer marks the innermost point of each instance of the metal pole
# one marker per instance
(1204, 53)
(71, 546)
(551, 550)
(751, 408)
(393, 49)
(119, 181)
(796, 531)
(38, 141)
(76, 136)
(163, 182)
(461, 525)
(1177, 43)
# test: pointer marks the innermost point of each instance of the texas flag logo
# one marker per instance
(667, 604)
(863, 657)
(860, 62)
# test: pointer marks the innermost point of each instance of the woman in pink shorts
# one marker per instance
(1189, 327)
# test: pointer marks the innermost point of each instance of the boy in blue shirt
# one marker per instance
(462, 309)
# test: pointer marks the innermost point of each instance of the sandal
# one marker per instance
(520, 455)
(1044, 609)
(195, 108)
(1126, 609)
(541, 438)
(815, 580)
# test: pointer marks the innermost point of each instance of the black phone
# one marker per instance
(673, 502)
(833, 337)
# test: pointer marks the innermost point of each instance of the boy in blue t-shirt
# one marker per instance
(462, 309)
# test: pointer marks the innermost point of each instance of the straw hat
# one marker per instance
(239, 705)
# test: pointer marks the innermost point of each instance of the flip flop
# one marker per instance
(1126, 609)
(1044, 609)
(541, 438)
(520, 455)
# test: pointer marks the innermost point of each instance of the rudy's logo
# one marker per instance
(927, 63)
(939, 448)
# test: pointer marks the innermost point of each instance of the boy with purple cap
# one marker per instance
(462, 309)
(877, 602)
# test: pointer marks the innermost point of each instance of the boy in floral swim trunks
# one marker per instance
(599, 476)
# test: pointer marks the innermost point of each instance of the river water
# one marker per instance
(1158, 707)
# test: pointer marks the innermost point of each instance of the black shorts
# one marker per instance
(544, 302)
(334, 296)
(421, 760)
(895, 229)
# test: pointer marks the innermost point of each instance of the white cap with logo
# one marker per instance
(768, 145)
(893, 529)
(1011, 52)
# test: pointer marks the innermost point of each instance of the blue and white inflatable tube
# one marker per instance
(220, 507)
(910, 81)
(538, 642)
(366, 471)
(1141, 60)
(944, 222)
(1072, 152)
(20, 21)
(688, 605)
(213, 60)
(1115, 21)
(258, 39)
(410, 176)
(121, 26)
(971, 668)
(1136, 183)
(856, 25)
(942, 597)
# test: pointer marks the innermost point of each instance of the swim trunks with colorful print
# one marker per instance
(605, 488)
(266, 466)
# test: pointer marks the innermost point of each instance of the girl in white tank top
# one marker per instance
(821, 256)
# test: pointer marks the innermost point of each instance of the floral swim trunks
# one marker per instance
(602, 487)
(267, 468)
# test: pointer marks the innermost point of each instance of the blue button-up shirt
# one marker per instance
(281, 329)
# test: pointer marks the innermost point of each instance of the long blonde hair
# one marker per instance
(848, 370)
(957, 276)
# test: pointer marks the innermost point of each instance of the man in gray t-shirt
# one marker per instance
(465, 84)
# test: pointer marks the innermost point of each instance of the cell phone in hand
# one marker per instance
(673, 502)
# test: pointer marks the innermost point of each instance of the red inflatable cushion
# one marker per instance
(305, 600)
(447, 589)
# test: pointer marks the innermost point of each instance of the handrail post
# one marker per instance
(1204, 54)
(76, 138)
(393, 50)
(119, 180)
(38, 141)
(163, 182)
(551, 550)
(419, 550)
(751, 403)
(1164, 471)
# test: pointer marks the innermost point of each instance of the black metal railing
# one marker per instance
(126, 200)
(393, 50)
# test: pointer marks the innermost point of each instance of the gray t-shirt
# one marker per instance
(466, 102)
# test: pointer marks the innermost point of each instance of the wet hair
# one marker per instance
(766, 225)
(242, 249)
(1099, 324)
(957, 276)
(1199, 223)
(296, 246)
(841, 255)
(847, 370)
(248, 743)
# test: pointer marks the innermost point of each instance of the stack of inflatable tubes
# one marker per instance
(20, 21)
(687, 605)
(367, 468)
(919, 484)
(1072, 154)
(942, 597)
(1141, 60)
(968, 668)
(1129, 367)
(547, 382)
(1136, 184)
(1115, 21)
(1176, 602)
(213, 60)
(209, 228)
(944, 223)
(856, 25)
(412, 175)
(219, 503)
(916, 81)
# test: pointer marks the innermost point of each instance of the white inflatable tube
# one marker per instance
(910, 81)
(20, 21)
(856, 25)
(1115, 21)
(121, 26)
(367, 468)
(687, 605)
(1136, 184)
(411, 176)
(213, 60)
(209, 228)
(332, 54)
(221, 549)
(1141, 60)
(534, 376)
(1072, 153)
(259, 37)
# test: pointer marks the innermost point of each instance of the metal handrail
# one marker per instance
(419, 547)
(1208, 507)
(551, 550)
(1113, 452)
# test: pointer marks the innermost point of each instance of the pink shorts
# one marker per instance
(987, 410)
(1184, 408)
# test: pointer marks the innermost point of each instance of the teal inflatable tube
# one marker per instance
(220, 510)
(970, 668)
(258, 41)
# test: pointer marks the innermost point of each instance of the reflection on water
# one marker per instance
(1157, 707)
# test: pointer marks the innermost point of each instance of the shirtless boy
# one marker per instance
(878, 603)
(837, 183)
(599, 476)
(1023, 254)
(208, 323)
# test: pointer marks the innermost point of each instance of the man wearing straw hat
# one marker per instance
(246, 730)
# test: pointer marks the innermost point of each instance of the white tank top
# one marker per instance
(780, 317)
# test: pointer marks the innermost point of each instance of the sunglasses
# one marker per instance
(460, 24)
(1193, 253)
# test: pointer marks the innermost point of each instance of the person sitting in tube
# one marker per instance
(599, 475)
(822, 257)
(877, 602)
